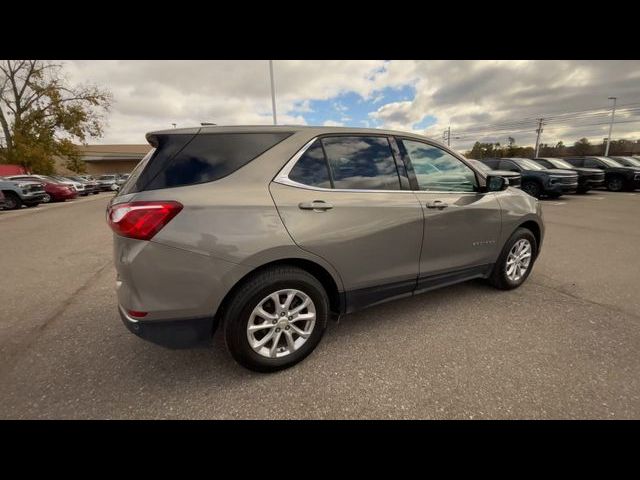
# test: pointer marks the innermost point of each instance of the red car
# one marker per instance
(56, 191)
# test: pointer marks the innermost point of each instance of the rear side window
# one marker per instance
(311, 169)
(181, 160)
(361, 163)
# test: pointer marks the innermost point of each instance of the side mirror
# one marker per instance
(496, 183)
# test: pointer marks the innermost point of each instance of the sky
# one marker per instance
(422, 96)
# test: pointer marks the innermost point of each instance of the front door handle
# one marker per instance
(316, 206)
(439, 204)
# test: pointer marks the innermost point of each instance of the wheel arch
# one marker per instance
(336, 296)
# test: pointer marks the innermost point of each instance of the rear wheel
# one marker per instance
(46, 198)
(516, 260)
(12, 201)
(532, 188)
(275, 319)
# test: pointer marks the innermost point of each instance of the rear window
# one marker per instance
(180, 160)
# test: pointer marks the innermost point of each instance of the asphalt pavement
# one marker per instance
(564, 345)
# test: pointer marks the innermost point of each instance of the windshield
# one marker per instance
(480, 165)
(527, 164)
(107, 177)
(628, 161)
(609, 162)
(560, 163)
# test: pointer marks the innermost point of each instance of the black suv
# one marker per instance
(617, 177)
(537, 180)
(588, 178)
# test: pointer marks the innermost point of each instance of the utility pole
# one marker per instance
(539, 132)
(613, 115)
(273, 93)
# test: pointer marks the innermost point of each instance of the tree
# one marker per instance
(581, 147)
(42, 115)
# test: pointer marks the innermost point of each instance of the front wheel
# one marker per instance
(46, 198)
(532, 188)
(516, 260)
(12, 201)
(275, 319)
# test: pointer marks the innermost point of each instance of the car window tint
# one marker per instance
(438, 170)
(311, 169)
(207, 157)
(361, 163)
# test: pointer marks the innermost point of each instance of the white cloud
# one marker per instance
(464, 94)
(332, 123)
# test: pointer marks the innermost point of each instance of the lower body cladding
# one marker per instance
(169, 295)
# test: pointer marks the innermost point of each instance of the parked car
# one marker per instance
(122, 178)
(515, 179)
(628, 161)
(21, 192)
(537, 180)
(617, 177)
(108, 183)
(79, 186)
(272, 230)
(588, 178)
(1, 200)
(55, 191)
(90, 186)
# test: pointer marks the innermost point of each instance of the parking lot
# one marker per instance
(564, 345)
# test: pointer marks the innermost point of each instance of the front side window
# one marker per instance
(437, 170)
(592, 163)
(361, 163)
(311, 169)
(509, 166)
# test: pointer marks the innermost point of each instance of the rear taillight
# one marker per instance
(141, 220)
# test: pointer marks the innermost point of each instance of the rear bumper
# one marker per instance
(174, 334)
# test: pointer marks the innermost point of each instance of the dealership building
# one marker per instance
(103, 159)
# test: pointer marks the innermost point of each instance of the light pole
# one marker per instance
(539, 132)
(613, 115)
(273, 93)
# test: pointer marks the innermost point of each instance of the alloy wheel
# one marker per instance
(281, 323)
(518, 260)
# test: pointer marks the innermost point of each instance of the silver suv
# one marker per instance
(273, 230)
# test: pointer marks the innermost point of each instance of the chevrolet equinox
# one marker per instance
(271, 231)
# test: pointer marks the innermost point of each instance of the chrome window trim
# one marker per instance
(282, 177)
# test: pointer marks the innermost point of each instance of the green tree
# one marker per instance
(42, 115)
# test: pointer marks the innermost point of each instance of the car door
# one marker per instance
(344, 199)
(462, 224)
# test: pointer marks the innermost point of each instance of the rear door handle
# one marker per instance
(439, 204)
(316, 205)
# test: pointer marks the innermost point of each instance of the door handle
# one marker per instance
(439, 204)
(316, 205)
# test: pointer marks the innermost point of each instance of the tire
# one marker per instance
(239, 312)
(615, 184)
(47, 198)
(554, 195)
(12, 201)
(31, 205)
(532, 188)
(499, 277)
(582, 191)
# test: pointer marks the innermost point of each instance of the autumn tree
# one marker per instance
(42, 115)
(582, 147)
